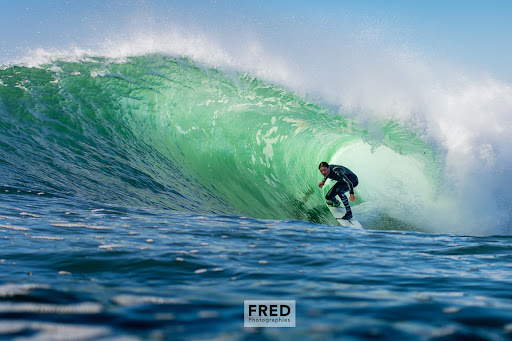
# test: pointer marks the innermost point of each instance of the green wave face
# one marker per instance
(161, 132)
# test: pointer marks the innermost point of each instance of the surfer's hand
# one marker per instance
(352, 197)
(321, 184)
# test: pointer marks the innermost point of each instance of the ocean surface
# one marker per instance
(145, 198)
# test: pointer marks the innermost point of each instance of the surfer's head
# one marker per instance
(324, 168)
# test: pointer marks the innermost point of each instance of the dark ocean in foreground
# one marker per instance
(83, 271)
(148, 198)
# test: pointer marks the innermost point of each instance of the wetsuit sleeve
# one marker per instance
(346, 180)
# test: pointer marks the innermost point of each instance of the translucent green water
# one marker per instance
(161, 132)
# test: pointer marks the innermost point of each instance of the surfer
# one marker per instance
(346, 181)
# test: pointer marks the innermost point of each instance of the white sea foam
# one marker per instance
(54, 331)
(127, 300)
(8, 290)
(15, 228)
(80, 308)
(80, 225)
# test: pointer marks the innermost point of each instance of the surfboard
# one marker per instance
(338, 213)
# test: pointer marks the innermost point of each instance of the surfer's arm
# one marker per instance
(346, 179)
(350, 187)
(322, 183)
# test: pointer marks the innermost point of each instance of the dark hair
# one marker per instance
(323, 164)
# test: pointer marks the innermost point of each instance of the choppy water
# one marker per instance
(148, 198)
(87, 271)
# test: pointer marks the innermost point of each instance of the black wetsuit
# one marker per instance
(346, 181)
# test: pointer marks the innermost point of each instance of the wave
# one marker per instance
(168, 133)
(173, 133)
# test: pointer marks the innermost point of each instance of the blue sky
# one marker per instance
(472, 34)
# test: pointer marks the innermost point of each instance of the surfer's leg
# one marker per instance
(331, 195)
(344, 199)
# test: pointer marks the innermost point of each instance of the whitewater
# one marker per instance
(150, 187)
